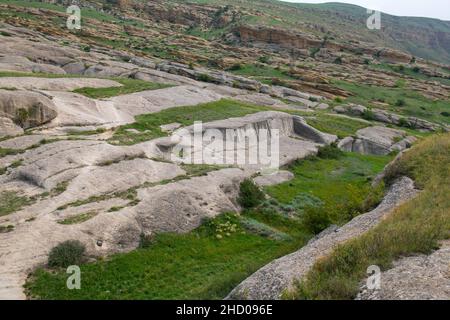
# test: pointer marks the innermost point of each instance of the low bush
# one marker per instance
(368, 115)
(250, 195)
(316, 219)
(400, 103)
(67, 253)
(330, 152)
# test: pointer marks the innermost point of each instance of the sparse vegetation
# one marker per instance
(148, 126)
(66, 254)
(79, 218)
(414, 104)
(128, 86)
(9, 152)
(227, 249)
(340, 126)
(250, 195)
(414, 227)
(11, 201)
(330, 152)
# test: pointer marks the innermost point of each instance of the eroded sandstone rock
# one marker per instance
(27, 109)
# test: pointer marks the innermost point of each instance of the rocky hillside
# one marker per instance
(94, 132)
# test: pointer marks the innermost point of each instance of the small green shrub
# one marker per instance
(400, 103)
(313, 52)
(204, 78)
(445, 114)
(250, 195)
(368, 115)
(235, 67)
(6, 229)
(330, 152)
(67, 253)
(404, 123)
(264, 59)
(316, 219)
(21, 117)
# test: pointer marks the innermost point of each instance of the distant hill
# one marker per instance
(422, 37)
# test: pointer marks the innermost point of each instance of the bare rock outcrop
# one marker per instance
(26, 109)
(420, 277)
(55, 84)
(377, 140)
(387, 117)
(224, 140)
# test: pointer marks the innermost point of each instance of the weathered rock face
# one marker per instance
(274, 179)
(387, 117)
(280, 37)
(26, 109)
(418, 277)
(9, 128)
(271, 281)
(181, 14)
(377, 140)
(240, 141)
(394, 56)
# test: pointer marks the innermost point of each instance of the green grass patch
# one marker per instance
(128, 86)
(412, 103)
(210, 261)
(9, 152)
(413, 228)
(131, 194)
(260, 71)
(6, 229)
(11, 201)
(414, 72)
(340, 187)
(340, 126)
(198, 265)
(80, 218)
(149, 125)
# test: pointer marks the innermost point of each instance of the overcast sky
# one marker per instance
(417, 8)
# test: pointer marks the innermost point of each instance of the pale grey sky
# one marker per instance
(417, 8)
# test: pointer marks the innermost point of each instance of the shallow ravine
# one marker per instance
(211, 260)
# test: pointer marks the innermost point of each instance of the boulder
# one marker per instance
(346, 144)
(75, 68)
(387, 117)
(377, 140)
(27, 109)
